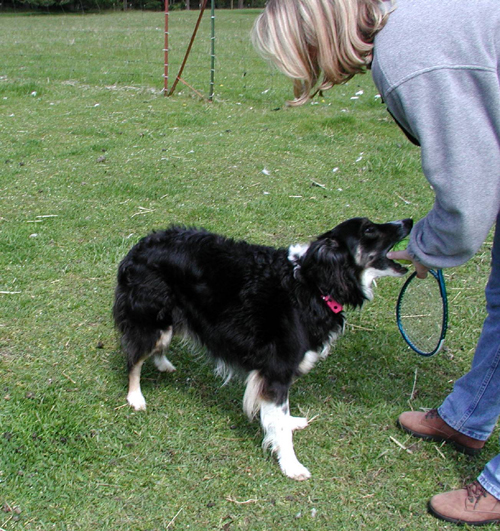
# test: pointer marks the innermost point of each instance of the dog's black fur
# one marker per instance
(256, 309)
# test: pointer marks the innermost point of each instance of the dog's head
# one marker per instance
(344, 262)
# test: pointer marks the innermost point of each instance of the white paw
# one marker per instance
(298, 423)
(295, 471)
(163, 365)
(137, 400)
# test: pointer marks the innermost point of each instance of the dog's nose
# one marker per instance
(404, 224)
(407, 224)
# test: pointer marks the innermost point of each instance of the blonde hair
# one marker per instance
(307, 38)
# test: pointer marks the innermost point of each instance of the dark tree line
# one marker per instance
(93, 5)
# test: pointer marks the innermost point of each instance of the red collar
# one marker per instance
(332, 304)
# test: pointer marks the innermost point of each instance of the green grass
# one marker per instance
(93, 157)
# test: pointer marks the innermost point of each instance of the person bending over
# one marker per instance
(436, 65)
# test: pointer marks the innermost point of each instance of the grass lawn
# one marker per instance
(92, 158)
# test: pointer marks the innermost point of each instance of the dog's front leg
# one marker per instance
(295, 423)
(278, 428)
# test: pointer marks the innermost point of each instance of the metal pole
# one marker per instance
(212, 53)
(165, 51)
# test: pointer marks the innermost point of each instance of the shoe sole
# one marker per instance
(459, 522)
(436, 438)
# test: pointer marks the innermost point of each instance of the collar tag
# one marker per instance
(332, 304)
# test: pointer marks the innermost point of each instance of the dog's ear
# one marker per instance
(321, 251)
(329, 267)
(328, 249)
(325, 265)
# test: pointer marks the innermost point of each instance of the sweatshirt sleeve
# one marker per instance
(454, 112)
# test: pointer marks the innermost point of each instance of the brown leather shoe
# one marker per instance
(471, 505)
(431, 427)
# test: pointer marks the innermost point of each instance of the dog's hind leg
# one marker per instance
(277, 424)
(135, 397)
(160, 360)
(137, 344)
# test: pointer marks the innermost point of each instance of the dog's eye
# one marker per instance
(369, 230)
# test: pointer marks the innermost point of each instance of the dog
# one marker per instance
(269, 314)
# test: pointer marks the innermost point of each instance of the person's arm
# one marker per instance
(455, 115)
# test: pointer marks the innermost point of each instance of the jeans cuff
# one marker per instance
(493, 487)
(469, 433)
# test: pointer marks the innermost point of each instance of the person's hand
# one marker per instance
(404, 255)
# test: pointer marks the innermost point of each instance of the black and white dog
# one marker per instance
(267, 313)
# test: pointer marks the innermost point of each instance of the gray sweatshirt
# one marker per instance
(437, 66)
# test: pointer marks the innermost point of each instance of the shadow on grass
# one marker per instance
(365, 370)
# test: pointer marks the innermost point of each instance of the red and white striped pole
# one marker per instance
(165, 51)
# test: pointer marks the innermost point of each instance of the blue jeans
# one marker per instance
(473, 407)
